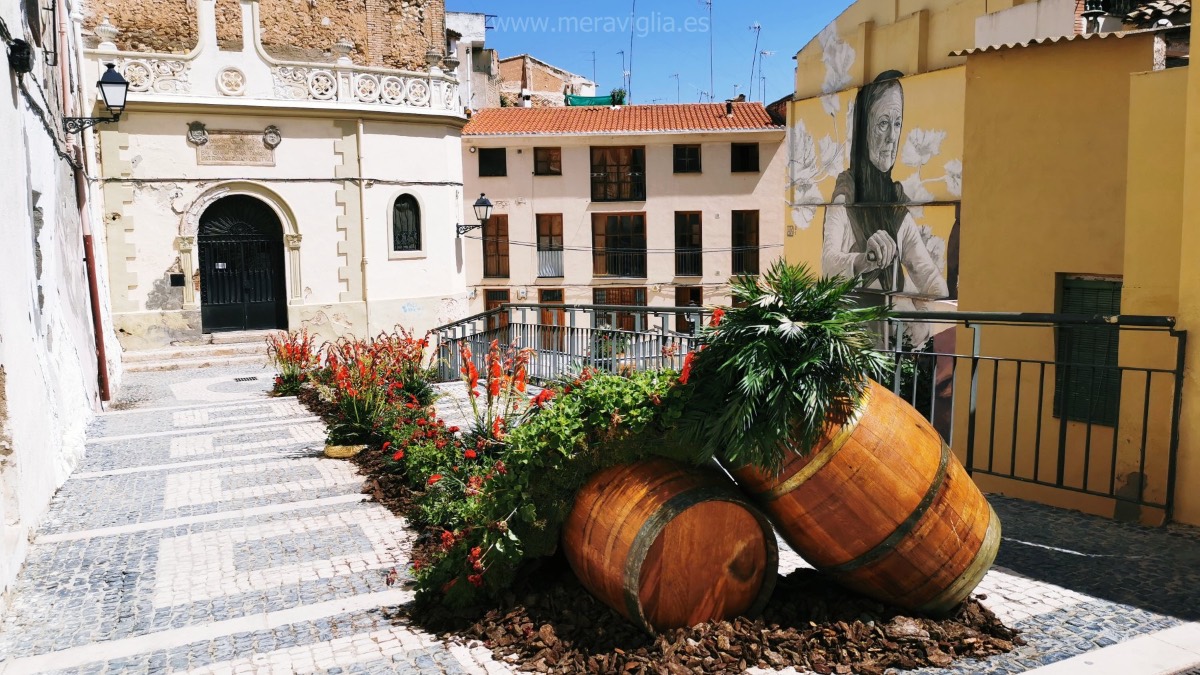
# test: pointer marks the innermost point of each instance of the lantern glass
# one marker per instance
(483, 208)
(113, 89)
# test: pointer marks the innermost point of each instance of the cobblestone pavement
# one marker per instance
(203, 532)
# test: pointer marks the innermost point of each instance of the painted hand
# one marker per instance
(881, 251)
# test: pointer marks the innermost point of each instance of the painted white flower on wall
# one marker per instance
(838, 57)
(954, 177)
(922, 146)
(804, 172)
(832, 103)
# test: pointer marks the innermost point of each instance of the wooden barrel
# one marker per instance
(669, 546)
(883, 505)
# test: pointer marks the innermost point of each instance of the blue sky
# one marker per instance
(669, 37)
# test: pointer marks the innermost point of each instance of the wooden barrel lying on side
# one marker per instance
(884, 505)
(669, 546)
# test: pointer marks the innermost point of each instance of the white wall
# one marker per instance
(48, 371)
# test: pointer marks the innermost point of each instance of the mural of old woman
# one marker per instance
(869, 229)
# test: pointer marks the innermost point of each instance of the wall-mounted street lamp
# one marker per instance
(483, 211)
(113, 90)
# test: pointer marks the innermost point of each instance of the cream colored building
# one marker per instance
(243, 191)
(643, 205)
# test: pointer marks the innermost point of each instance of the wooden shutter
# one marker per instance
(1087, 381)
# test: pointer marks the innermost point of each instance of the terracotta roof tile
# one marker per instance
(622, 119)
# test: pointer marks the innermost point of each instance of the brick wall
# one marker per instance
(390, 33)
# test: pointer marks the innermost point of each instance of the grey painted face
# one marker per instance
(886, 116)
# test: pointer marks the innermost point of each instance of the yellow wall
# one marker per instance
(912, 36)
(1188, 504)
(1046, 144)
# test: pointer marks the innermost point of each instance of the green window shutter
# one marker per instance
(1087, 380)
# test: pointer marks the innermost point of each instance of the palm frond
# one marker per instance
(796, 357)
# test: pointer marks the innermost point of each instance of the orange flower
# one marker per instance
(717, 315)
(434, 478)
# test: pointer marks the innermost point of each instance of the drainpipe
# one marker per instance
(362, 225)
(82, 154)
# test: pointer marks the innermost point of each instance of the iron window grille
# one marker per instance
(406, 224)
(619, 245)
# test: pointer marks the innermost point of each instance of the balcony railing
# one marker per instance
(631, 264)
(745, 259)
(688, 263)
(550, 263)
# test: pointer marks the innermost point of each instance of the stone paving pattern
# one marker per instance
(203, 532)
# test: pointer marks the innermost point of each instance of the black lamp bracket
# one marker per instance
(75, 125)
(463, 229)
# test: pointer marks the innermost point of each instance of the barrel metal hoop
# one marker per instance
(905, 528)
(956, 592)
(823, 456)
(657, 522)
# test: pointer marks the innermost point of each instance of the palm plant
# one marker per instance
(773, 374)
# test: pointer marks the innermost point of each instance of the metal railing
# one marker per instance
(1004, 390)
(619, 263)
(994, 385)
(568, 338)
(689, 262)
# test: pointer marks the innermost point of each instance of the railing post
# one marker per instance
(973, 403)
(1176, 411)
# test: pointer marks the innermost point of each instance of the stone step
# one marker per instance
(252, 361)
(257, 337)
(195, 352)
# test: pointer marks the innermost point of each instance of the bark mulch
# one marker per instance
(553, 625)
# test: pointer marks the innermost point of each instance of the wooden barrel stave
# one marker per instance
(640, 539)
(884, 506)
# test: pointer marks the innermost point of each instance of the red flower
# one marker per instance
(434, 478)
(470, 454)
(421, 422)
(453, 430)
(447, 539)
(475, 554)
(500, 468)
(476, 580)
(717, 315)
(687, 368)
(386, 445)
(398, 456)
(543, 398)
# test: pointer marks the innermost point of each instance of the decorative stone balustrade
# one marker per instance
(252, 75)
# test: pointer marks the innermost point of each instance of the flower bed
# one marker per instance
(490, 500)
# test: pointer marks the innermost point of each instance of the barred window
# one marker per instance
(406, 224)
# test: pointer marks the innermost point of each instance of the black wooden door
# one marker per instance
(241, 267)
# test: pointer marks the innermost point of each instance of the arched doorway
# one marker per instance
(241, 266)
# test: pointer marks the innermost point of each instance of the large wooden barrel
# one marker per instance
(883, 505)
(669, 546)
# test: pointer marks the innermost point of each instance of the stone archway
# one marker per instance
(189, 226)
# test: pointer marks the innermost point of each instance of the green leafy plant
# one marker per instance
(772, 374)
(505, 507)
(618, 96)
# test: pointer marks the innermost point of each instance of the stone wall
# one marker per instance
(388, 33)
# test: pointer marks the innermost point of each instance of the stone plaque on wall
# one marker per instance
(241, 148)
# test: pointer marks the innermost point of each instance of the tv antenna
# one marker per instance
(678, 99)
(755, 28)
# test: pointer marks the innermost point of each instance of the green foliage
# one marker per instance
(618, 96)
(507, 508)
(775, 372)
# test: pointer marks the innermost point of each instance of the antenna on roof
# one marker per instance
(755, 28)
(632, 33)
(678, 98)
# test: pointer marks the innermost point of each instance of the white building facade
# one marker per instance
(243, 192)
(639, 205)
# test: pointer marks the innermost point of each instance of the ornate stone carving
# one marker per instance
(293, 240)
(197, 134)
(392, 90)
(108, 35)
(322, 85)
(290, 83)
(231, 81)
(272, 137)
(343, 48)
(185, 244)
(163, 76)
(418, 93)
(366, 88)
